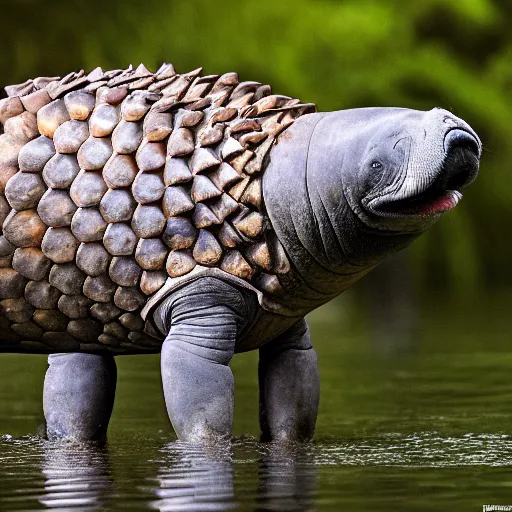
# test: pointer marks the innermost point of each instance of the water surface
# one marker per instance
(425, 429)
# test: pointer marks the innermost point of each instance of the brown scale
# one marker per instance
(112, 182)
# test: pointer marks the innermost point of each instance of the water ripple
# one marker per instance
(426, 449)
(37, 474)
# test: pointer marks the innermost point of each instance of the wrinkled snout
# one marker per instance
(443, 158)
(443, 164)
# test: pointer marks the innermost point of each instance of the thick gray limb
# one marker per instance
(289, 386)
(203, 321)
(78, 398)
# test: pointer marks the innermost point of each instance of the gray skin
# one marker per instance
(343, 191)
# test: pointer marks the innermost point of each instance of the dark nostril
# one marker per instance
(457, 138)
(462, 159)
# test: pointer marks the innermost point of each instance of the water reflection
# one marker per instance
(249, 475)
(77, 476)
(195, 478)
(201, 478)
(287, 479)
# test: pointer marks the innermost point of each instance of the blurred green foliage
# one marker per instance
(338, 54)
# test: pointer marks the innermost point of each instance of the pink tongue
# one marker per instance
(441, 204)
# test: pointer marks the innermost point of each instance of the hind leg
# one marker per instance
(78, 398)
(289, 386)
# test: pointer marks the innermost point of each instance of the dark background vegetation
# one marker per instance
(338, 54)
(445, 302)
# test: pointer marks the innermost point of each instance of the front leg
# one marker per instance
(203, 321)
(289, 386)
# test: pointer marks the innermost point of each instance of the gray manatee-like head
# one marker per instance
(402, 168)
(345, 189)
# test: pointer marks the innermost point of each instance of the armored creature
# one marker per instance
(199, 216)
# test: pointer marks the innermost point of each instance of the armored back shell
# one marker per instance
(114, 184)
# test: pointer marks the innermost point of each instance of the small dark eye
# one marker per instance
(376, 165)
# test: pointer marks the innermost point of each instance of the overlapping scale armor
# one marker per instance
(114, 183)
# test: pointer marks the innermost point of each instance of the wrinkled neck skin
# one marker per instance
(312, 196)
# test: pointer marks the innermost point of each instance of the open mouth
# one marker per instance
(460, 168)
(430, 202)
